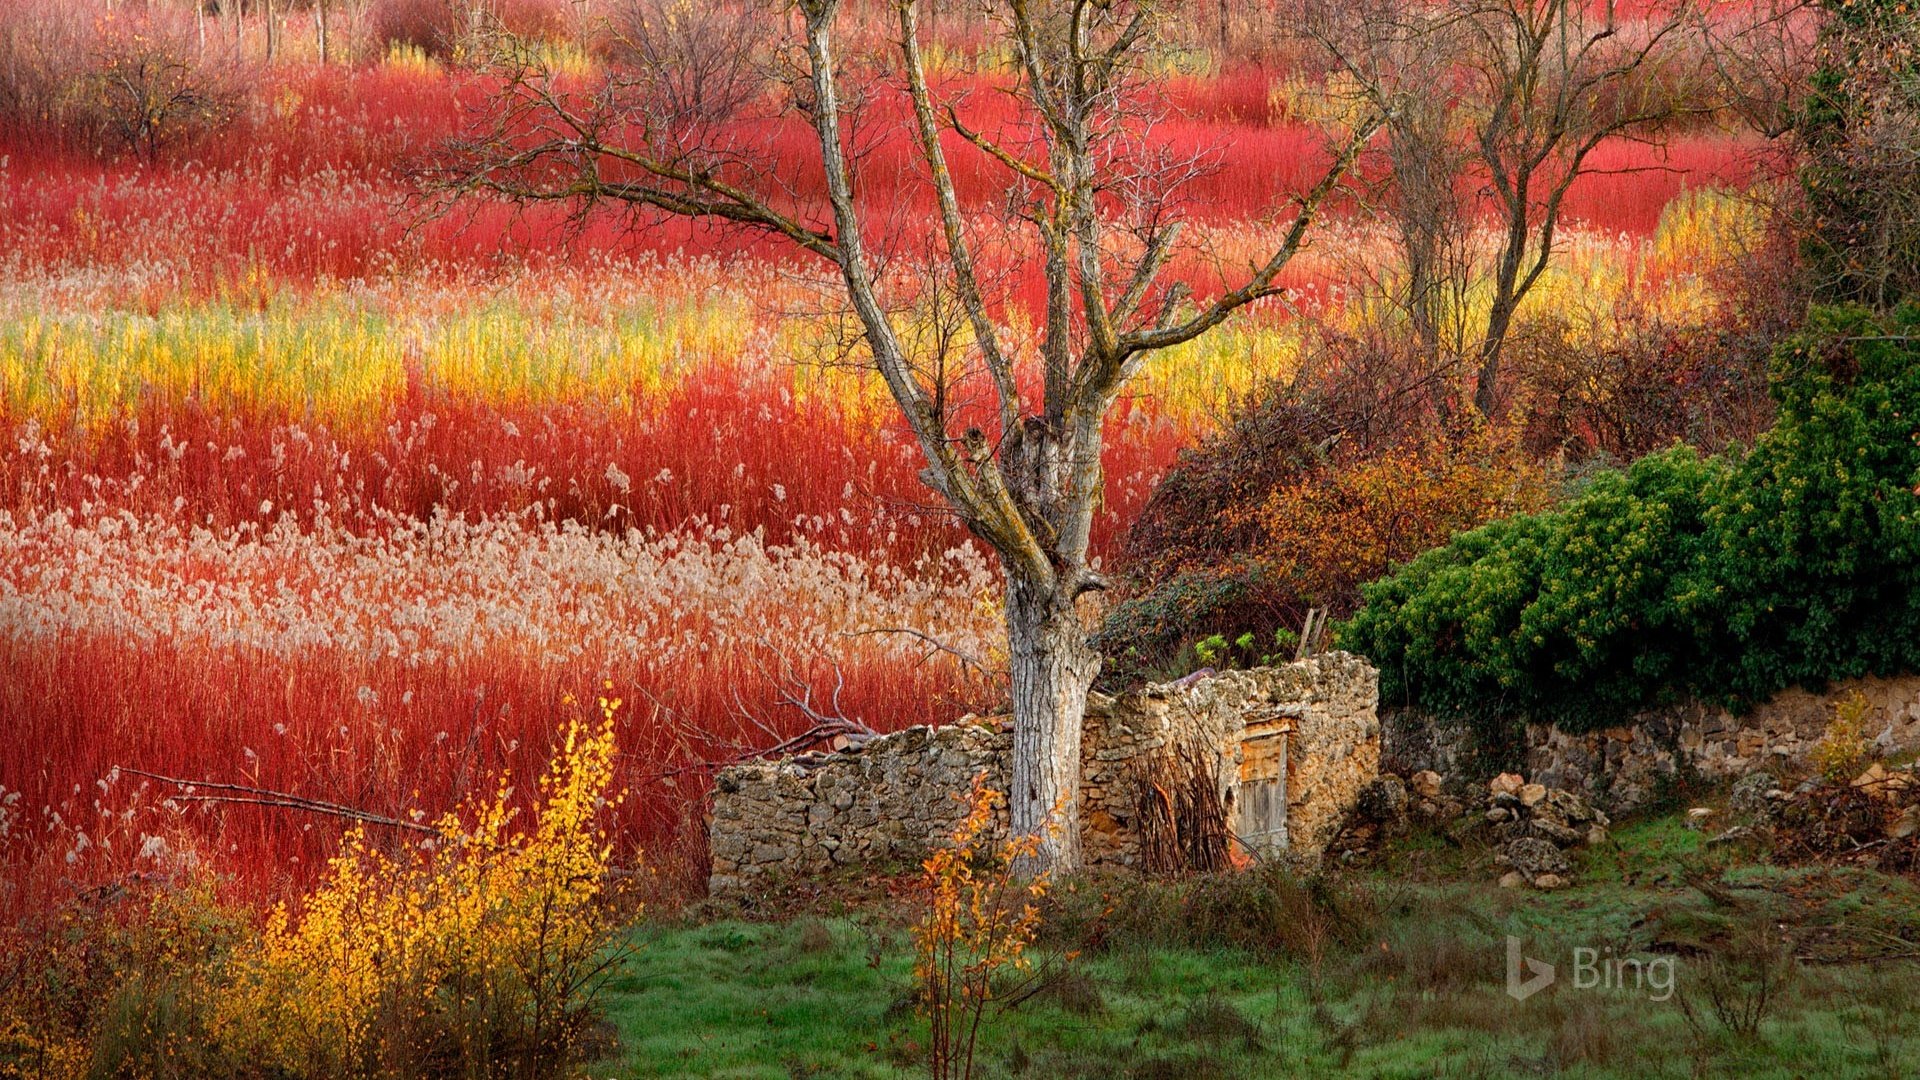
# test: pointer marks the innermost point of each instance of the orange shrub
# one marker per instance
(981, 917)
(1328, 532)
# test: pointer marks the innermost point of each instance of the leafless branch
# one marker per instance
(242, 794)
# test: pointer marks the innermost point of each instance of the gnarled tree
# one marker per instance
(1083, 197)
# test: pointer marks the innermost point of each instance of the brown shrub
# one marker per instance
(110, 81)
(441, 28)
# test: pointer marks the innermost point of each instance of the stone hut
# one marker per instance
(1252, 763)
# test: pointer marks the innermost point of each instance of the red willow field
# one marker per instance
(305, 493)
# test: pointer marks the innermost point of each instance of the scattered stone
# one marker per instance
(1550, 882)
(1425, 784)
(1697, 817)
(1751, 799)
(1506, 784)
(1535, 858)
(1512, 879)
(1739, 834)
(1438, 811)
(1534, 824)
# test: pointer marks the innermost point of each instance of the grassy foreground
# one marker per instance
(1393, 970)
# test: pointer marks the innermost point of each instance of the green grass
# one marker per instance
(1414, 986)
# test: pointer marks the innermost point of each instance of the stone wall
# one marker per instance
(886, 803)
(1622, 767)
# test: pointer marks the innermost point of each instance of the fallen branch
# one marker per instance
(793, 692)
(244, 795)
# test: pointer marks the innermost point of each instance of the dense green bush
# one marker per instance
(1726, 578)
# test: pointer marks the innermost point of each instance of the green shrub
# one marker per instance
(1726, 578)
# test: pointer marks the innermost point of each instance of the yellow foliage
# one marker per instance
(31, 1048)
(1842, 749)
(485, 940)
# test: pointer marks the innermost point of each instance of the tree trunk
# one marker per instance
(1486, 390)
(1052, 667)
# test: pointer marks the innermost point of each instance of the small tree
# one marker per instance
(146, 94)
(1533, 88)
(1088, 201)
(980, 921)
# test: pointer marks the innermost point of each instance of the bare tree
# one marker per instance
(1557, 79)
(1532, 88)
(1088, 190)
(1763, 54)
(1399, 60)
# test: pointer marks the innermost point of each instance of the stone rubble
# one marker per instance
(1535, 825)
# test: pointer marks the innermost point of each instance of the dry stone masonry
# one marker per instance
(1623, 767)
(1285, 751)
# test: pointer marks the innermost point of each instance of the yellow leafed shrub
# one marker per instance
(478, 958)
(1842, 749)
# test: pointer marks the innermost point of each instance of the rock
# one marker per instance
(1383, 801)
(1560, 834)
(1506, 784)
(1571, 808)
(1426, 784)
(1499, 814)
(1749, 801)
(1534, 857)
(1739, 834)
(1563, 817)
(1550, 882)
(1874, 780)
(1597, 835)
(1697, 817)
(1532, 794)
(1512, 879)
